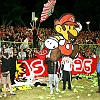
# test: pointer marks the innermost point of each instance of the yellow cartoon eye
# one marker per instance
(67, 27)
(58, 28)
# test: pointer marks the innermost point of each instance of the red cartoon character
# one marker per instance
(68, 28)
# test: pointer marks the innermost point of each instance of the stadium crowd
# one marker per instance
(13, 39)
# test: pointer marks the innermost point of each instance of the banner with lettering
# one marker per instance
(36, 66)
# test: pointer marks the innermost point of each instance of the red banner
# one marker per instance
(84, 65)
(81, 65)
(36, 66)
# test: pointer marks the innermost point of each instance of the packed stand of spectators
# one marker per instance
(20, 40)
(17, 38)
(88, 42)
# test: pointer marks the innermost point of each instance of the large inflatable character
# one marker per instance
(67, 30)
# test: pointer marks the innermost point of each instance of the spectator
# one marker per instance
(19, 34)
(35, 39)
(52, 71)
(67, 76)
(13, 68)
(22, 55)
(6, 71)
(98, 74)
(98, 50)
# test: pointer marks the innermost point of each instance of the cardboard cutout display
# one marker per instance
(52, 44)
(55, 54)
(67, 30)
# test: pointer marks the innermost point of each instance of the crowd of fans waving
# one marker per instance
(12, 39)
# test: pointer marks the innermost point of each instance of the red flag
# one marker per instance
(47, 10)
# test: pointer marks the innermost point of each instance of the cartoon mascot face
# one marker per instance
(67, 26)
(67, 29)
(51, 43)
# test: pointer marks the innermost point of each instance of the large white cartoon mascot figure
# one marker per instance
(67, 30)
(52, 44)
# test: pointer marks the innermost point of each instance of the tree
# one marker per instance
(10, 11)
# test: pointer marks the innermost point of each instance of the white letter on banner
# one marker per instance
(87, 65)
(37, 65)
(77, 65)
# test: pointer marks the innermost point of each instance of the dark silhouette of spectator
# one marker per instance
(35, 39)
(13, 68)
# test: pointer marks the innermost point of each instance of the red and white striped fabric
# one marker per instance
(47, 10)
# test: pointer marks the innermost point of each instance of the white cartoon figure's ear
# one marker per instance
(51, 43)
(79, 28)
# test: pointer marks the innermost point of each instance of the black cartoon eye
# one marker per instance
(69, 27)
(73, 28)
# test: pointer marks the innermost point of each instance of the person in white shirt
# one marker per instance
(25, 45)
(67, 68)
(22, 55)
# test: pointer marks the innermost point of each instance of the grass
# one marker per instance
(82, 89)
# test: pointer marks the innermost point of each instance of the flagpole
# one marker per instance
(39, 25)
(38, 29)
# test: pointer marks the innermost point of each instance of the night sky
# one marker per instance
(30, 4)
(83, 10)
(80, 12)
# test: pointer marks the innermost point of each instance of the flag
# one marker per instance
(47, 10)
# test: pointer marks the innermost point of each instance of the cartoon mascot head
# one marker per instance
(67, 26)
(52, 44)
